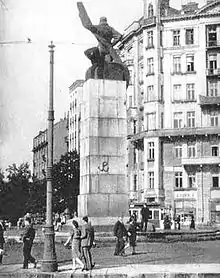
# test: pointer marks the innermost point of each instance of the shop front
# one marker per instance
(185, 206)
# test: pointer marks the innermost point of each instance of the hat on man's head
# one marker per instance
(85, 218)
(103, 19)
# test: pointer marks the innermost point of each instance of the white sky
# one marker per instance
(24, 68)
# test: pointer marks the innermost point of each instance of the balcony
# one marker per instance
(150, 193)
(213, 72)
(208, 160)
(149, 21)
(207, 100)
(213, 44)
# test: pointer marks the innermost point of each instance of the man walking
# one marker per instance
(120, 232)
(87, 239)
(28, 238)
(145, 213)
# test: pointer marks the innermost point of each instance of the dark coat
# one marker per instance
(120, 230)
(87, 236)
(29, 234)
(2, 240)
(132, 230)
(145, 213)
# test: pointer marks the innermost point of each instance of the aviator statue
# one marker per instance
(106, 63)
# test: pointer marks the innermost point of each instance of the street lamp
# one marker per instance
(49, 262)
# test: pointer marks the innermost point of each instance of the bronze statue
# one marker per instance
(106, 63)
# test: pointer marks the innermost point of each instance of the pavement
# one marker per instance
(133, 270)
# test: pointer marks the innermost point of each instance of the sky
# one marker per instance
(24, 67)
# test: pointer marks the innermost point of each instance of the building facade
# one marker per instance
(40, 149)
(173, 106)
(75, 93)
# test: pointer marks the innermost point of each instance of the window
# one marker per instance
(150, 65)
(178, 151)
(130, 101)
(191, 119)
(135, 126)
(151, 121)
(192, 181)
(189, 36)
(214, 150)
(178, 179)
(177, 119)
(150, 41)
(212, 88)
(161, 92)
(190, 91)
(215, 181)
(176, 37)
(150, 93)
(150, 10)
(176, 64)
(214, 119)
(189, 63)
(135, 156)
(151, 180)
(161, 64)
(135, 183)
(162, 120)
(212, 63)
(212, 36)
(151, 150)
(140, 49)
(177, 92)
(191, 150)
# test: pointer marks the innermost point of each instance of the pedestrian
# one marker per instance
(75, 239)
(2, 241)
(132, 235)
(145, 214)
(178, 222)
(120, 234)
(28, 238)
(192, 223)
(87, 241)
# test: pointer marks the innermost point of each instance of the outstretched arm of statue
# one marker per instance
(86, 22)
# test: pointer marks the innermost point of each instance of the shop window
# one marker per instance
(215, 181)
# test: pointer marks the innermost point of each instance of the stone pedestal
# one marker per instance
(103, 188)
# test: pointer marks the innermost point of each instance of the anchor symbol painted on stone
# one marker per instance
(104, 167)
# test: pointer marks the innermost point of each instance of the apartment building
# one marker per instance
(40, 149)
(75, 93)
(173, 106)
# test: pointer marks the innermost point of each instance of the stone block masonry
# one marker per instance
(103, 189)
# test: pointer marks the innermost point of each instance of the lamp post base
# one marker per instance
(49, 262)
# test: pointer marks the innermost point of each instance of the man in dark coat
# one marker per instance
(28, 238)
(2, 240)
(87, 239)
(120, 233)
(145, 213)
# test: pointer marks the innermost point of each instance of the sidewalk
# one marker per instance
(133, 270)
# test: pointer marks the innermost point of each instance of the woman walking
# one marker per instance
(132, 235)
(74, 238)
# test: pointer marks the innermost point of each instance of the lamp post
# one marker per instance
(49, 262)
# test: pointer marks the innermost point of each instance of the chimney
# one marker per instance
(190, 8)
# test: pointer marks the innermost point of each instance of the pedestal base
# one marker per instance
(49, 262)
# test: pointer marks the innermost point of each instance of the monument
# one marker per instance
(103, 188)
